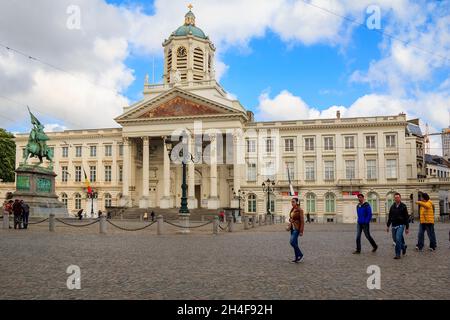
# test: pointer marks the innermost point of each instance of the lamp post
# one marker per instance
(92, 195)
(268, 186)
(239, 195)
(185, 159)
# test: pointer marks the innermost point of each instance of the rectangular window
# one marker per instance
(328, 143)
(309, 144)
(77, 173)
(350, 169)
(93, 151)
(390, 141)
(391, 169)
(290, 169)
(270, 171)
(289, 145)
(108, 150)
(370, 142)
(329, 170)
(64, 173)
(349, 142)
(120, 149)
(251, 172)
(371, 169)
(78, 151)
(310, 170)
(120, 173)
(251, 146)
(65, 152)
(93, 173)
(269, 145)
(108, 173)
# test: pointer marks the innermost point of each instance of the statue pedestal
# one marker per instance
(36, 186)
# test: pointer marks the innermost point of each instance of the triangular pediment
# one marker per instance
(180, 106)
(176, 103)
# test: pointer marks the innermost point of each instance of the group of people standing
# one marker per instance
(20, 210)
(398, 222)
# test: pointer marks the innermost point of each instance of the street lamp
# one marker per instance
(268, 186)
(239, 195)
(92, 195)
(185, 159)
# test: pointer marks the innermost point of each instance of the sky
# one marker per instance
(282, 59)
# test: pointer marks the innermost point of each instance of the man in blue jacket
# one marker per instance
(364, 212)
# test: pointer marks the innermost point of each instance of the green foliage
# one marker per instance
(7, 156)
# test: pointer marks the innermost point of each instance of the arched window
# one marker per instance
(372, 199)
(77, 201)
(64, 199)
(330, 203)
(108, 200)
(310, 203)
(182, 58)
(251, 203)
(198, 59)
(389, 200)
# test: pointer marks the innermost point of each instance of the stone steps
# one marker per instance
(168, 214)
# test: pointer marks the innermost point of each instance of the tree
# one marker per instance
(7, 156)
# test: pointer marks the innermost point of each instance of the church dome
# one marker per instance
(189, 27)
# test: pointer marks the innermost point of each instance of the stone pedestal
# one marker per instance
(165, 203)
(35, 185)
(213, 203)
(144, 203)
(184, 221)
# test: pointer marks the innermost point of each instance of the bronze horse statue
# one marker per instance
(35, 150)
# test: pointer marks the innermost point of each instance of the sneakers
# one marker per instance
(432, 249)
(297, 260)
(356, 252)
(418, 249)
(397, 257)
(404, 249)
(375, 249)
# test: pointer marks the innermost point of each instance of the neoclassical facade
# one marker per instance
(329, 160)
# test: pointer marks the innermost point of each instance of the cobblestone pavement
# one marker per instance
(251, 264)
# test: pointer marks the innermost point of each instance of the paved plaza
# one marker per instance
(252, 264)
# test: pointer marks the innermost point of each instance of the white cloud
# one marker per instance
(54, 127)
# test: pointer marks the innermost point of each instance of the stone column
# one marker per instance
(237, 161)
(166, 199)
(213, 201)
(126, 200)
(143, 203)
(192, 201)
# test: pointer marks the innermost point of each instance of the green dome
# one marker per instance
(186, 30)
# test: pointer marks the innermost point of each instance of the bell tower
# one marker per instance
(188, 54)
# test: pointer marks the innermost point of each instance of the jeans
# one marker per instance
(359, 229)
(17, 221)
(397, 234)
(25, 220)
(294, 243)
(429, 228)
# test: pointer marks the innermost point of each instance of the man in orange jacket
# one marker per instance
(426, 223)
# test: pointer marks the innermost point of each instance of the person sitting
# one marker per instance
(80, 214)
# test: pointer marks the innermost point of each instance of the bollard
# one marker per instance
(246, 222)
(260, 220)
(140, 218)
(5, 220)
(159, 227)
(121, 216)
(102, 224)
(216, 225)
(51, 222)
(254, 221)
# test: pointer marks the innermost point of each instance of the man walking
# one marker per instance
(364, 212)
(426, 223)
(296, 226)
(25, 213)
(17, 210)
(399, 218)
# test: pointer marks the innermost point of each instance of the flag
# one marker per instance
(87, 182)
(291, 188)
(34, 120)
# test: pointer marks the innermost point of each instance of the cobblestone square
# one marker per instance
(252, 264)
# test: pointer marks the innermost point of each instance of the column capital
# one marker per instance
(126, 140)
(145, 140)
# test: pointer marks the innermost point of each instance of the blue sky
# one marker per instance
(283, 59)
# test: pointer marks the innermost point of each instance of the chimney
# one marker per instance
(338, 114)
